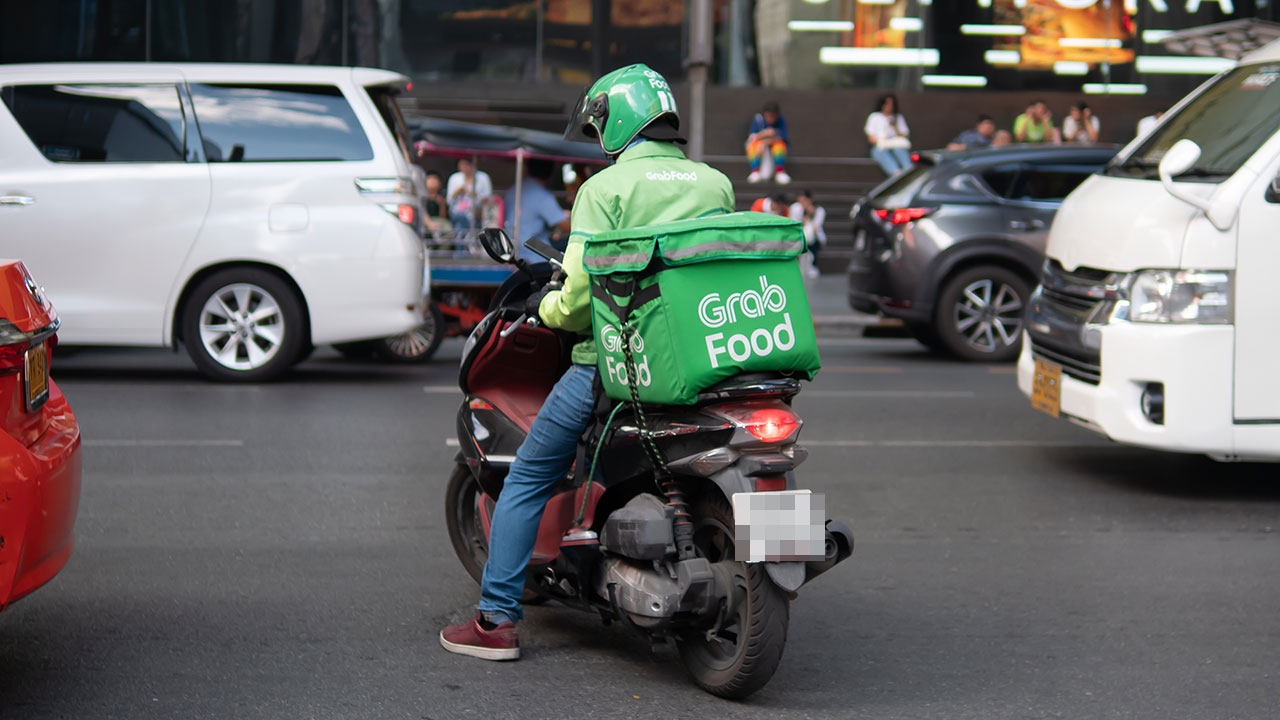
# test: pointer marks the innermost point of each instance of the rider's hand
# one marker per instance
(532, 303)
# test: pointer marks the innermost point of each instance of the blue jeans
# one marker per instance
(891, 161)
(543, 458)
(461, 220)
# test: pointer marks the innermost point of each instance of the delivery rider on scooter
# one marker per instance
(632, 114)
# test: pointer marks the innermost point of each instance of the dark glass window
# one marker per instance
(278, 123)
(1001, 180)
(1048, 184)
(385, 100)
(101, 123)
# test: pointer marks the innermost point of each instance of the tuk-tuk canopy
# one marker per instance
(457, 139)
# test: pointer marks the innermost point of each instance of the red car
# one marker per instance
(39, 442)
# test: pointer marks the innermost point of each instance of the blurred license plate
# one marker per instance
(779, 526)
(1046, 387)
(36, 376)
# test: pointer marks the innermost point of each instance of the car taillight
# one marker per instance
(915, 157)
(767, 422)
(14, 345)
(406, 213)
(387, 186)
(902, 216)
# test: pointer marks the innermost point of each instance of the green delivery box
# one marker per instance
(704, 299)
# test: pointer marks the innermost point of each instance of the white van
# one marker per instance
(1158, 319)
(246, 211)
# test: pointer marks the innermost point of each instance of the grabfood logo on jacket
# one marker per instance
(715, 312)
(611, 341)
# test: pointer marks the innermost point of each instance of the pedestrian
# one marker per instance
(768, 136)
(435, 204)
(1148, 123)
(1035, 125)
(1081, 126)
(889, 137)
(978, 136)
(539, 213)
(629, 112)
(813, 216)
(466, 189)
(775, 204)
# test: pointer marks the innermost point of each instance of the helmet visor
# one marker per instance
(578, 130)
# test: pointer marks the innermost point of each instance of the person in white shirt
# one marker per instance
(465, 190)
(805, 211)
(889, 137)
(1148, 123)
(1081, 126)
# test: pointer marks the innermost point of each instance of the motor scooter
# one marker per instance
(651, 527)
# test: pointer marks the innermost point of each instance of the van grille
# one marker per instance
(1074, 363)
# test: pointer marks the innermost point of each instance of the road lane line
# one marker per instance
(442, 389)
(124, 442)
(952, 443)
(451, 442)
(922, 394)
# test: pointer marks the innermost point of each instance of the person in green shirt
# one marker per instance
(631, 113)
(1035, 125)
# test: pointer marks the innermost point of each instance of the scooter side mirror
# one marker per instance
(498, 245)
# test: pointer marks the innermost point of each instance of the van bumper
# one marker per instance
(1195, 365)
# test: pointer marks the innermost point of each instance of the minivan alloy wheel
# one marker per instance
(242, 326)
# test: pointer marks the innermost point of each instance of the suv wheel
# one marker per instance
(979, 314)
(243, 325)
(417, 345)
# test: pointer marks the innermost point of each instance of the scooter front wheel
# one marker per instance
(466, 532)
(741, 655)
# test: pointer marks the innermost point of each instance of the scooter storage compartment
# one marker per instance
(641, 530)
(706, 299)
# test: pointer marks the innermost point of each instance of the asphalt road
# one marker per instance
(279, 551)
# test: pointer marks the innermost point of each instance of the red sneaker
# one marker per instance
(469, 638)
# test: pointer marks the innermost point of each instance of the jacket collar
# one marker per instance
(651, 148)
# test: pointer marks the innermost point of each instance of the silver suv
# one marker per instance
(953, 246)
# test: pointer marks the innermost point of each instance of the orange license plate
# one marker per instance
(36, 376)
(1046, 388)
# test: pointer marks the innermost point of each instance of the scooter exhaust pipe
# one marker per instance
(839, 547)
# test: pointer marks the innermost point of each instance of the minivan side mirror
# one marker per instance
(497, 244)
(1178, 159)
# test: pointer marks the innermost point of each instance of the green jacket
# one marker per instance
(652, 182)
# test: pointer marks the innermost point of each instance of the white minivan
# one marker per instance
(248, 212)
(1158, 319)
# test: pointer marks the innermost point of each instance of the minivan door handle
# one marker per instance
(1032, 224)
(17, 200)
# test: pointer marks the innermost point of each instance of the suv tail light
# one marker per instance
(902, 216)
(407, 213)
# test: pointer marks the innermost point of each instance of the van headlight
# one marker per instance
(1191, 297)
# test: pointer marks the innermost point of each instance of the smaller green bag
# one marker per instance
(705, 299)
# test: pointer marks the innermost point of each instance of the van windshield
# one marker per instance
(1229, 120)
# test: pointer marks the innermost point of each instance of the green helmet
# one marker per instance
(622, 105)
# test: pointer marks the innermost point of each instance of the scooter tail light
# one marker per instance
(777, 483)
(768, 423)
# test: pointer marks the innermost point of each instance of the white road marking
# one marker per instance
(951, 443)
(813, 393)
(451, 442)
(148, 443)
(442, 389)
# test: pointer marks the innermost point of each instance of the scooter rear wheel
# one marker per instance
(466, 532)
(746, 652)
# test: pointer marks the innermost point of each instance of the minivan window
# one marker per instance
(1228, 120)
(289, 123)
(101, 123)
(384, 98)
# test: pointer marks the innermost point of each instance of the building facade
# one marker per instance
(1092, 46)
